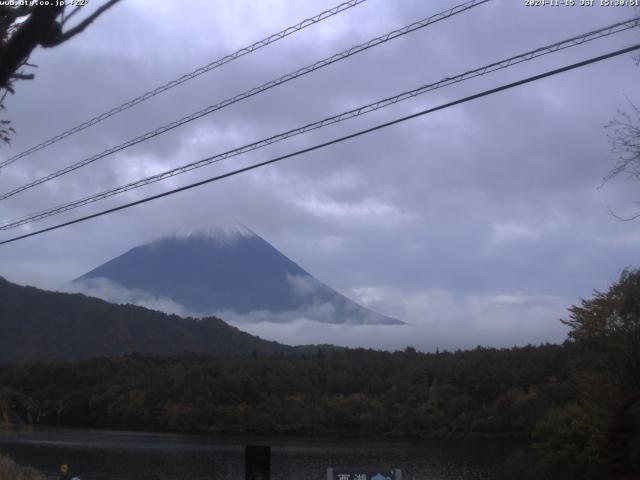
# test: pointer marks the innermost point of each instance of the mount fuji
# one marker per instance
(231, 273)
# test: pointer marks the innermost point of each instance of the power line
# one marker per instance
(568, 43)
(332, 142)
(186, 77)
(254, 91)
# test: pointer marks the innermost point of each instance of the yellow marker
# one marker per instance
(64, 469)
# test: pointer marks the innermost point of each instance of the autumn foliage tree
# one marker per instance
(597, 435)
(605, 339)
(605, 351)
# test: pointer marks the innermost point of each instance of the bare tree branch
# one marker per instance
(23, 76)
(73, 12)
(63, 37)
(624, 219)
(43, 26)
(625, 141)
(39, 26)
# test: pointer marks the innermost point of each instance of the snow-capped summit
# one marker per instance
(223, 234)
(228, 271)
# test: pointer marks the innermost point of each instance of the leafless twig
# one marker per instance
(64, 36)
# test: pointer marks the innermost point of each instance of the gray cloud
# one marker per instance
(490, 200)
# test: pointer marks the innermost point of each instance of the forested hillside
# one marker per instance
(38, 325)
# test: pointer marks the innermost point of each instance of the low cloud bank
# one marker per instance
(113, 292)
(321, 310)
(437, 318)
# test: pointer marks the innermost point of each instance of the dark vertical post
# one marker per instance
(257, 462)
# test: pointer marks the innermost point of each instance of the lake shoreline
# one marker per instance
(128, 455)
(258, 435)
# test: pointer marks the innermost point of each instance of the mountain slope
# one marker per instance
(42, 325)
(233, 273)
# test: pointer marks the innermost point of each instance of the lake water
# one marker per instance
(105, 455)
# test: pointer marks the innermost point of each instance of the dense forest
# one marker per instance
(354, 392)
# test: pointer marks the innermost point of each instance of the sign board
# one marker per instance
(257, 463)
(363, 474)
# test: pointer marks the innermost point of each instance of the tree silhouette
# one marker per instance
(23, 28)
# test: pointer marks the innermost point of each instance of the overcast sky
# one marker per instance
(479, 224)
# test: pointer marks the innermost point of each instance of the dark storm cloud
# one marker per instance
(467, 222)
